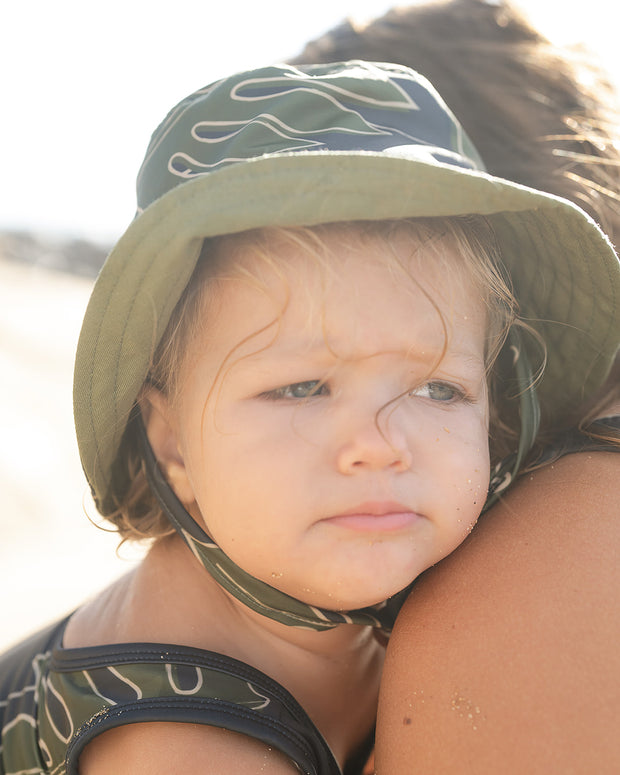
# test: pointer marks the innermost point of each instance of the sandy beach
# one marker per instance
(51, 556)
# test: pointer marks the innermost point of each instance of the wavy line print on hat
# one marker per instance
(290, 112)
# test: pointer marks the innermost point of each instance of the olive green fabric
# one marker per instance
(274, 604)
(307, 145)
(73, 695)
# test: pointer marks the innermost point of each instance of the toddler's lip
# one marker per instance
(375, 516)
(375, 509)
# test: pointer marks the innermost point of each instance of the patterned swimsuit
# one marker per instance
(57, 700)
(54, 701)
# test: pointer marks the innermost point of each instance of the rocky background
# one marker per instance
(74, 256)
(52, 556)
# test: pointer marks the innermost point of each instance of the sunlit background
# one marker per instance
(83, 86)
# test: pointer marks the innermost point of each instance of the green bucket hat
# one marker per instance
(292, 146)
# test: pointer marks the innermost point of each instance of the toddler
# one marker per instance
(326, 341)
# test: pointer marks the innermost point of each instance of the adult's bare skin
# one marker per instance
(505, 657)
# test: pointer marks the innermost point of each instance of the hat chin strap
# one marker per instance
(271, 602)
(252, 592)
(505, 472)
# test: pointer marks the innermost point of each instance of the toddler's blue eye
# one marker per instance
(437, 391)
(298, 390)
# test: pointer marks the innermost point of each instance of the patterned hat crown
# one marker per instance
(286, 109)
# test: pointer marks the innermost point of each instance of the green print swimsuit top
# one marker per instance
(63, 698)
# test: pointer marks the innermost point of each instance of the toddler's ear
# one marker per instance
(162, 435)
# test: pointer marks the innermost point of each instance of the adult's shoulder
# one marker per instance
(504, 658)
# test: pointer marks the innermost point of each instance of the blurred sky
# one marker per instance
(84, 84)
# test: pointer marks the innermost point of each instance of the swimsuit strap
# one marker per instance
(83, 692)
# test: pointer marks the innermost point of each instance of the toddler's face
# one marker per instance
(332, 423)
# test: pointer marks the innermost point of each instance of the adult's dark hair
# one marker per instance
(539, 114)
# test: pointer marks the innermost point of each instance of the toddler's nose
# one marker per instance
(372, 448)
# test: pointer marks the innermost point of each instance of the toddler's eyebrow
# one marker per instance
(328, 352)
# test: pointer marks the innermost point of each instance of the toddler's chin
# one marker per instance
(354, 600)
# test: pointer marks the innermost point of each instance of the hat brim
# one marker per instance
(564, 271)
